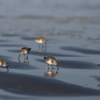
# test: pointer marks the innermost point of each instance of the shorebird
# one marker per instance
(24, 51)
(3, 63)
(41, 40)
(51, 61)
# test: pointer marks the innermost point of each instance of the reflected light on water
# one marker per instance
(51, 73)
(42, 49)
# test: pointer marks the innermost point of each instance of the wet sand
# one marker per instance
(73, 38)
(35, 85)
(81, 50)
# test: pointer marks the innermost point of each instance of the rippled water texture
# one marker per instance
(72, 30)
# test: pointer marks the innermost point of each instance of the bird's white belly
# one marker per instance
(49, 62)
(39, 41)
(0, 63)
(25, 52)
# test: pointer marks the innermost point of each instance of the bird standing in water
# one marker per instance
(3, 63)
(41, 40)
(51, 61)
(24, 51)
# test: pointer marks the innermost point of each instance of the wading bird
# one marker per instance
(51, 61)
(41, 40)
(24, 51)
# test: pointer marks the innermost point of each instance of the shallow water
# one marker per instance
(73, 37)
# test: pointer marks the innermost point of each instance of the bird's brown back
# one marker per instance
(53, 60)
(1, 60)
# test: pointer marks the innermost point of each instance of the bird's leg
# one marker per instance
(48, 70)
(27, 56)
(27, 61)
(38, 46)
(57, 68)
(7, 68)
(52, 67)
(45, 45)
(48, 66)
(24, 56)
(18, 57)
(19, 60)
(42, 46)
(24, 61)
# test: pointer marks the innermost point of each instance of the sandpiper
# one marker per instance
(51, 61)
(41, 40)
(24, 51)
(3, 63)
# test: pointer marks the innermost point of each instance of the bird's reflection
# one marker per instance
(51, 73)
(98, 64)
(26, 61)
(4, 71)
(98, 85)
(42, 48)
